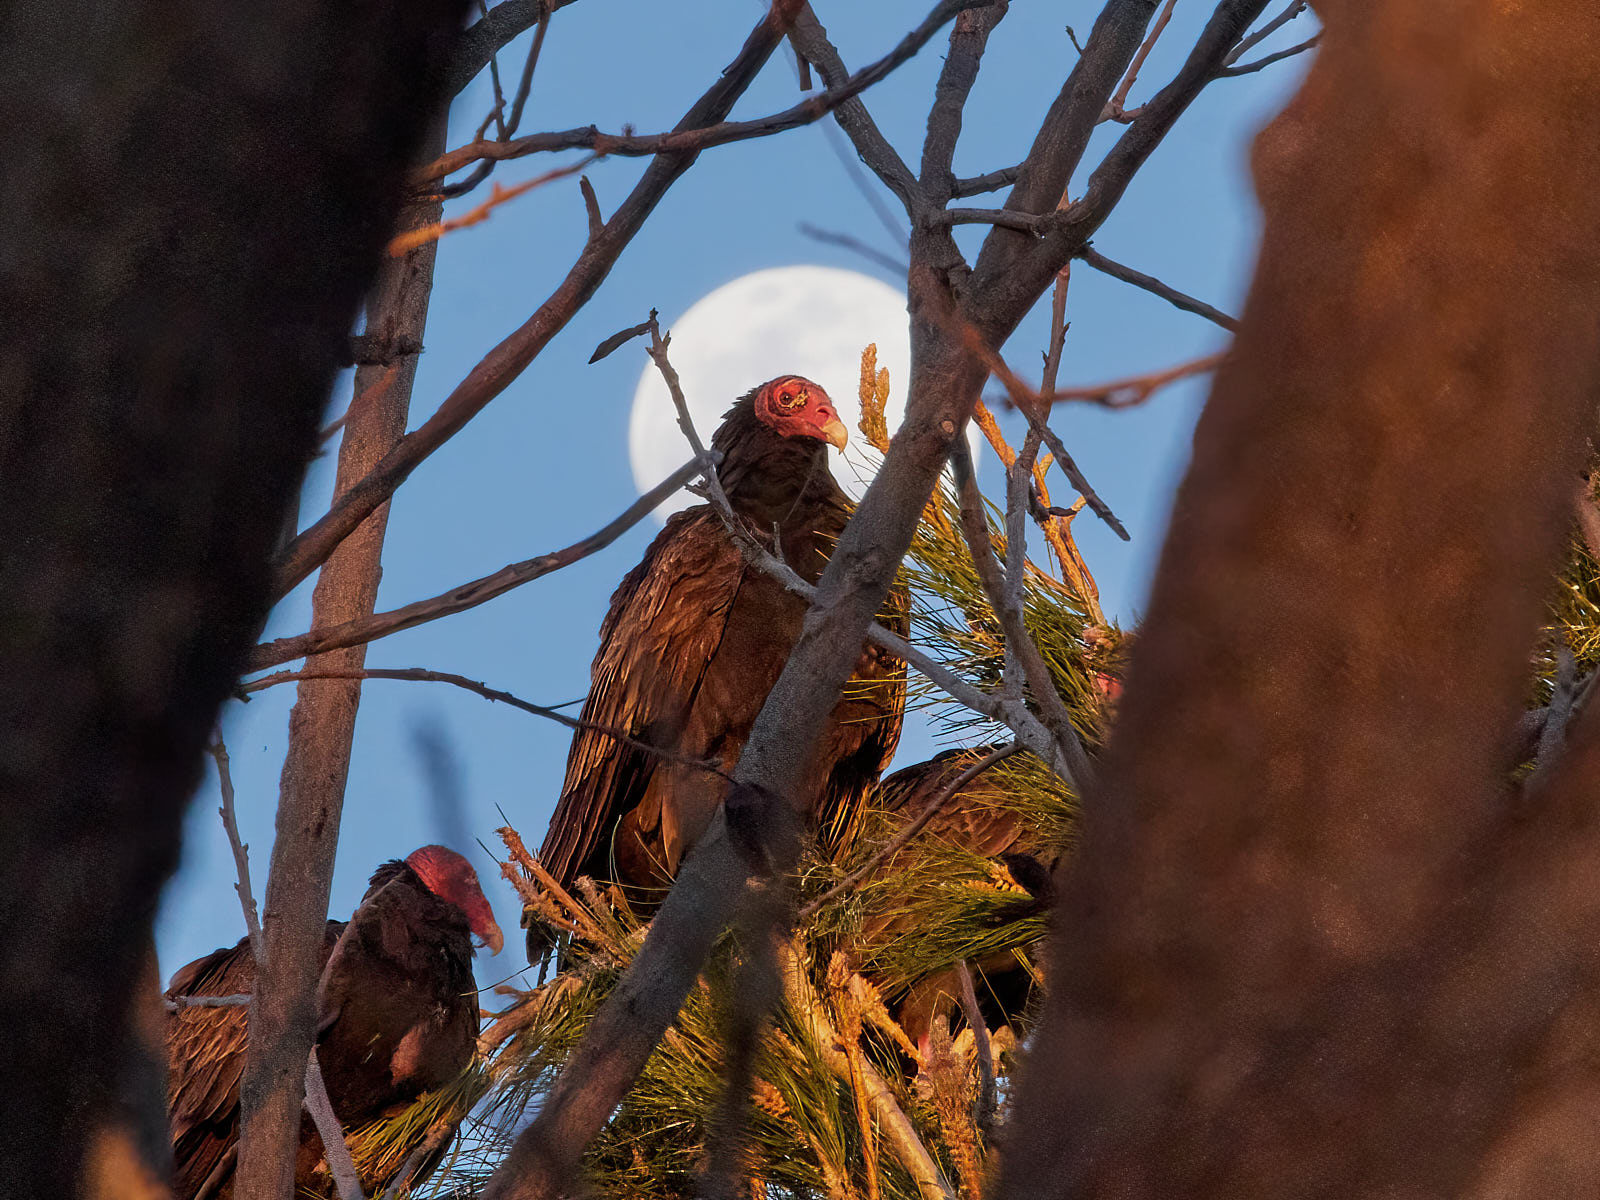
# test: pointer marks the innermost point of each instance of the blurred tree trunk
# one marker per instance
(196, 199)
(130, 1154)
(283, 1016)
(1306, 947)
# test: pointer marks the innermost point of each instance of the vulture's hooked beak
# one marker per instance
(493, 938)
(835, 434)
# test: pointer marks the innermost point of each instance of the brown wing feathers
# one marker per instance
(693, 642)
(398, 1015)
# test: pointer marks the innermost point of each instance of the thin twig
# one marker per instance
(1246, 43)
(893, 846)
(241, 852)
(1155, 287)
(403, 244)
(238, 1000)
(1135, 389)
(501, 25)
(421, 675)
(988, 1099)
(657, 350)
(1018, 476)
(1267, 60)
(506, 361)
(470, 594)
(1070, 760)
(334, 1150)
(849, 242)
(631, 145)
(497, 111)
(1117, 106)
(1026, 401)
(810, 38)
(525, 84)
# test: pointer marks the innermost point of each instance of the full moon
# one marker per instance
(802, 320)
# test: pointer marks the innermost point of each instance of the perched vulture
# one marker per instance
(975, 819)
(397, 1015)
(694, 640)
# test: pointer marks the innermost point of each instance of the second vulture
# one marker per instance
(695, 639)
(397, 1015)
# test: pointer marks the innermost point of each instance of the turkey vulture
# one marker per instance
(693, 642)
(977, 819)
(397, 1015)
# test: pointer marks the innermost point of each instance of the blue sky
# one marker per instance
(547, 461)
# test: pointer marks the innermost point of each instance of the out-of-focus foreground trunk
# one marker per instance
(195, 200)
(1308, 945)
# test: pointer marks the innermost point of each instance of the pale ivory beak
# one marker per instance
(835, 434)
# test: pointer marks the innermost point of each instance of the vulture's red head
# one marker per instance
(796, 407)
(450, 877)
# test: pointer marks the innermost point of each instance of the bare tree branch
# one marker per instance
(1249, 41)
(968, 38)
(1117, 105)
(1111, 178)
(1027, 402)
(241, 852)
(991, 182)
(830, 237)
(422, 675)
(700, 138)
(508, 360)
(811, 40)
(412, 238)
(283, 1013)
(483, 39)
(988, 1098)
(1070, 760)
(334, 1150)
(1135, 389)
(1155, 287)
(1267, 60)
(467, 595)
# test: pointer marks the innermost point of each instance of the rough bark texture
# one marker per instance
(195, 202)
(1307, 949)
(283, 1015)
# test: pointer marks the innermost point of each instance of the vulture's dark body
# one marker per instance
(975, 818)
(397, 1016)
(693, 642)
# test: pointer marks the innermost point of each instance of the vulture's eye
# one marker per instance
(790, 399)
